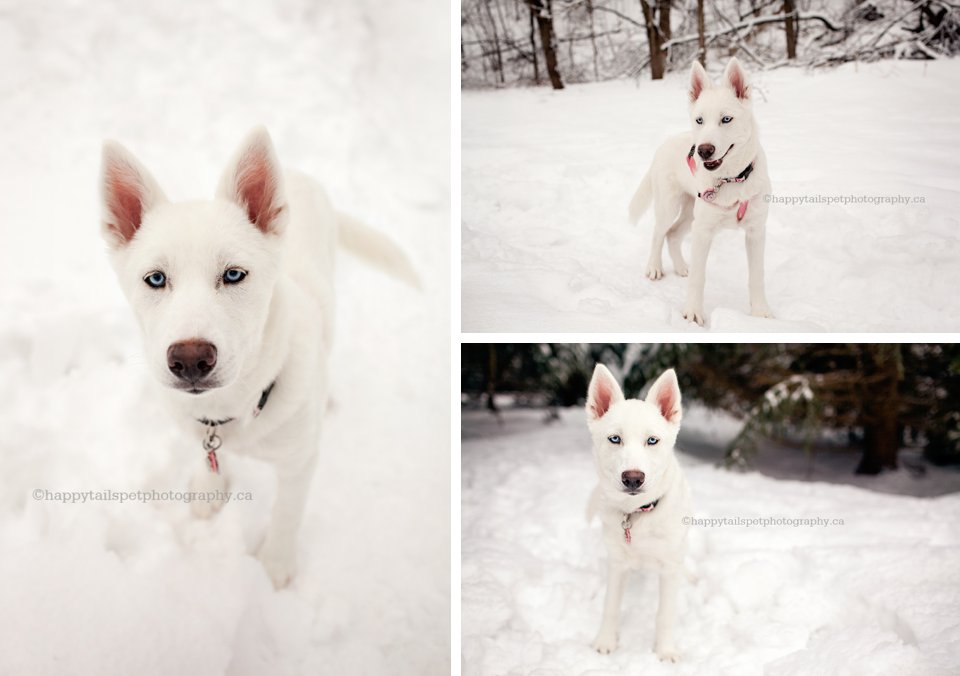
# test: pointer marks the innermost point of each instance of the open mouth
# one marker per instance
(712, 165)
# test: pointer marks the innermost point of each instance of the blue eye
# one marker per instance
(233, 275)
(614, 439)
(156, 279)
(699, 120)
(652, 441)
(726, 119)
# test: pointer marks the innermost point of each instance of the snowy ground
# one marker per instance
(355, 93)
(547, 177)
(877, 595)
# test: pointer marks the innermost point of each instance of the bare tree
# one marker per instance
(658, 32)
(593, 41)
(882, 366)
(702, 51)
(533, 45)
(542, 10)
(498, 53)
(790, 27)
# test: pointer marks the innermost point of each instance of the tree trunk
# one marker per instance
(790, 26)
(701, 34)
(533, 46)
(542, 11)
(491, 388)
(663, 16)
(496, 42)
(593, 42)
(883, 365)
(657, 62)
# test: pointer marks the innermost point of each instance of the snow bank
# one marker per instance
(547, 177)
(876, 595)
(350, 92)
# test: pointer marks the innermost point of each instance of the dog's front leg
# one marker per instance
(609, 633)
(702, 238)
(758, 299)
(278, 553)
(667, 616)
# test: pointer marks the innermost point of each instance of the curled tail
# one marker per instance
(641, 199)
(376, 249)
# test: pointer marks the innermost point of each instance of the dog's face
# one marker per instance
(721, 118)
(633, 440)
(199, 275)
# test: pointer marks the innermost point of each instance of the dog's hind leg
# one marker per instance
(679, 230)
(609, 634)
(667, 616)
(665, 207)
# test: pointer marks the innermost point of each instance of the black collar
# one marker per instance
(745, 174)
(264, 396)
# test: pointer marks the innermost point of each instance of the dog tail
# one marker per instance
(641, 199)
(376, 249)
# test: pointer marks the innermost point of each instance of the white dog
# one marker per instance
(721, 163)
(641, 498)
(235, 300)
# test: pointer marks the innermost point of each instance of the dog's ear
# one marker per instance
(253, 179)
(603, 393)
(698, 81)
(735, 76)
(665, 395)
(127, 191)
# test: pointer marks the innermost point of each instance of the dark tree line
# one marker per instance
(884, 396)
(507, 41)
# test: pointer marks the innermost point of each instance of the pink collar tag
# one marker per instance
(211, 442)
(742, 209)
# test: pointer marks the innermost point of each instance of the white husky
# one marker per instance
(722, 163)
(642, 497)
(235, 300)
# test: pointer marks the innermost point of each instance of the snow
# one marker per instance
(547, 176)
(874, 596)
(354, 93)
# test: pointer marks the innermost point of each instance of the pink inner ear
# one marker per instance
(257, 189)
(738, 84)
(124, 197)
(696, 88)
(667, 402)
(601, 400)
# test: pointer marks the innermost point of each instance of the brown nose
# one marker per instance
(191, 360)
(632, 479)
(705, 151)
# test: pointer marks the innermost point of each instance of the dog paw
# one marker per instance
(654, 272)
(280, 564)
(761, 310)
(694, 315)
(668, 654)
(209, 488)
(682, 269)
(605, 643)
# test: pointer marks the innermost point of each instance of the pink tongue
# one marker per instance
(692, 163)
